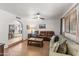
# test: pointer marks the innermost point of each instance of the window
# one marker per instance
(71, 22)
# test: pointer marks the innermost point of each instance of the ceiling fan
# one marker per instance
(38, 16)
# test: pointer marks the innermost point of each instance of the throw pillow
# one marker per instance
(56, 39)
(55, 47)
(63, 48)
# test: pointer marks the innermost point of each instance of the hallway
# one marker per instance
(22, 49)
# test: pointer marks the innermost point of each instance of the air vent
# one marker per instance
(18, 17)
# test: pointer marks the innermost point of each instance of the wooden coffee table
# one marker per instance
(35, 42)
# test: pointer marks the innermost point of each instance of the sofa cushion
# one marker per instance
(55, 47)
(73, 48)
(52, 41)
(61, 39)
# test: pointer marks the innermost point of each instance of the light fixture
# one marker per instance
(38, 16)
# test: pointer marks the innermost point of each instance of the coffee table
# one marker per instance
(35, 42)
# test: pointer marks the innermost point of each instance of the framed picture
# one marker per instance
(42, 26)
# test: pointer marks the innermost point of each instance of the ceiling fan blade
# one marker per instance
(42, 18)
(35, 17)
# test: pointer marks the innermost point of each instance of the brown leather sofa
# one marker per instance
(46, 35)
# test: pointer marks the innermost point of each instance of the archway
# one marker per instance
(15, 32)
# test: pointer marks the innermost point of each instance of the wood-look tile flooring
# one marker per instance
(22, 49)
(14, 40)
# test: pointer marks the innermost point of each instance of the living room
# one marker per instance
(40, 23)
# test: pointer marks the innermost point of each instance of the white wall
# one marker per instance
(5, 19)
(51, 24)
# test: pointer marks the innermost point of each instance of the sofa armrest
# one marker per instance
(57, 54)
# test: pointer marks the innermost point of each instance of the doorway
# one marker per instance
(15, 32)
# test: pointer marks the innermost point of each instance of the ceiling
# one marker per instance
(47, 10)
